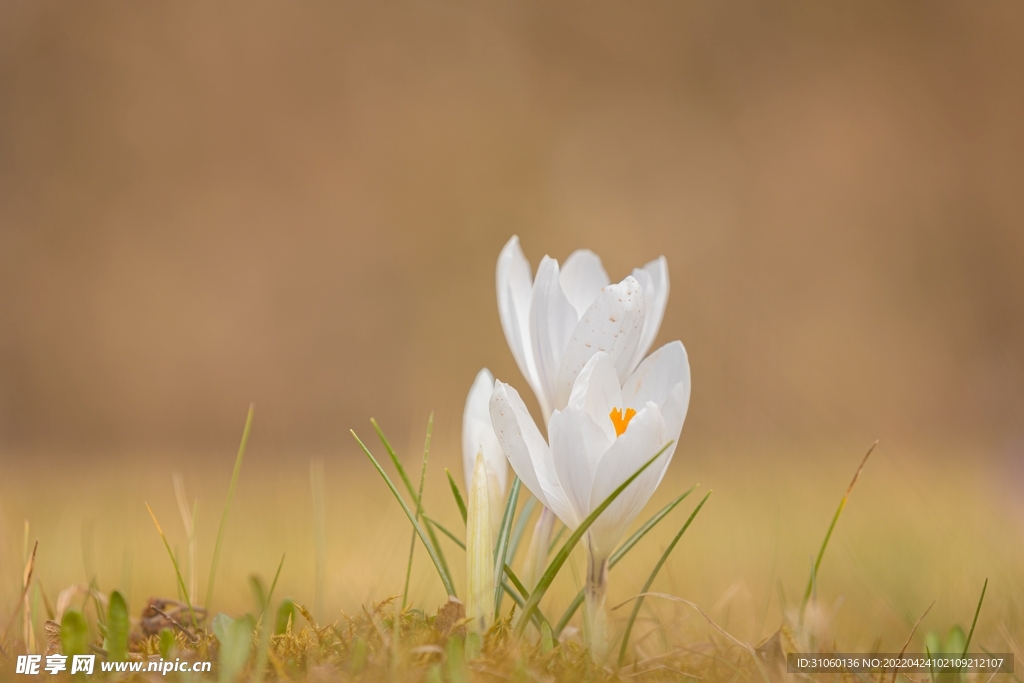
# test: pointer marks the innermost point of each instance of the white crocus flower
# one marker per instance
(478, 438)
(606, 432)
(556, 321)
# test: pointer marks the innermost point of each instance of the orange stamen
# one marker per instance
(621, 421)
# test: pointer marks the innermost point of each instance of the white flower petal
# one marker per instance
(515, 289)
(577, 445)
(653, 279)
(657, 375)
(612, 324)
(596, 390)
(644, 437)
(582, 278)
(673, 411)
(525, 448)
(552, 321)
(478, 434)
(664, 379)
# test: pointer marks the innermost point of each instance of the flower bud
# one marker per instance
(479, 551)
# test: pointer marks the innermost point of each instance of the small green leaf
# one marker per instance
(547, 641)
(118, 627)
(235, 647)
(455, 660)
(358, 657)
(956, 639)
(221, 625)
(166, 642)
(285, 616)
(74, 634)
(434, 675)
(474, 646)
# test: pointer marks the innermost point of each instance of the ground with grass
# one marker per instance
(312, 569)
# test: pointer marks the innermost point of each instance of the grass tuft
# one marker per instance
(418, 498)
(654, 573)
(227, 507)
(441, 571)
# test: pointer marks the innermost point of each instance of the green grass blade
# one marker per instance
(174, 561)
(516, 582)
(647, 526)
(259, 593)
(412, 491)
(517, 597)
(273, 584)
(441, 571)
(501, 546)
(569, 611)
(440, 527)
(437, 547)
(520, 527)
(458, 496)
(394, 458)
(227, 506)
(621, 552)
(431, 524)
(654, 573)
(828, 534)
(563, 554)
(538, 616)
(458, 541)
(554, 541)
(970, 634)
(418, 499)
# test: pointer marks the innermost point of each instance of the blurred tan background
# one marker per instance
(301, 204)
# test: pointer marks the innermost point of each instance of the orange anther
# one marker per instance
(620, 420)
